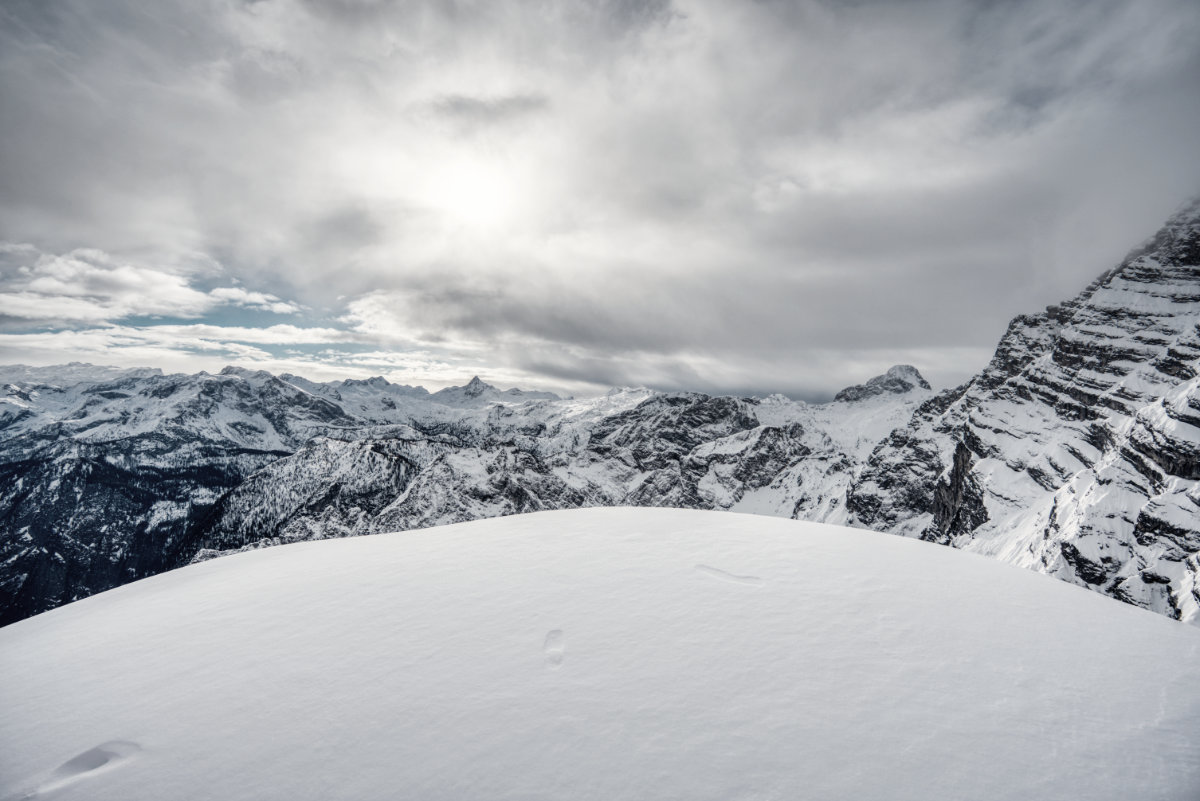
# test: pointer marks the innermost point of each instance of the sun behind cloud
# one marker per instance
(476, 192)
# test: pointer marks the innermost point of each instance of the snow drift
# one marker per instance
(601, 654)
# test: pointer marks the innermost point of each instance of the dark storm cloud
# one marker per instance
(748, 196)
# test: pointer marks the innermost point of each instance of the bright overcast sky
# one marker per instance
(746, 197)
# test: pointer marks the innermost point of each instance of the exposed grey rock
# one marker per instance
(898, 379)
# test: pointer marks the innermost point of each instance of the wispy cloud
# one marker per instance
(238, 296)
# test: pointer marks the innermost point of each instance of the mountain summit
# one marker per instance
(899, 379)
(477, 392)
(476, 387)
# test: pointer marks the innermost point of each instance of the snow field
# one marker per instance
(601, 654)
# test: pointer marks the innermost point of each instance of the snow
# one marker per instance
(600, 654)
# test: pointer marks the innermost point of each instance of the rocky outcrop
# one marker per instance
(958, 506)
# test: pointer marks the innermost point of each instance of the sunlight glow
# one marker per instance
(477, 193)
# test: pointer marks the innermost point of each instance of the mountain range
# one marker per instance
(1074, 452)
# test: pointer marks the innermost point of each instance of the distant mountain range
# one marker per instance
(1075, 452)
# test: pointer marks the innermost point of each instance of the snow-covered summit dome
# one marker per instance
(600, 654)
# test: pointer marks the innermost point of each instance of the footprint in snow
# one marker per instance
(555, 647)
(82, 767)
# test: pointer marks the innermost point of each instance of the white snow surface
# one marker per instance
(601, 654)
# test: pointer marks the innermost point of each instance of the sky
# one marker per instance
(711, 195)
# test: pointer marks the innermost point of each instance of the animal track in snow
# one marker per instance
(555, 647)
(752, 581)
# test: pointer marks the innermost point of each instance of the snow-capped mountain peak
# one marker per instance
(476, 393)
(897, 380)
(475, 387)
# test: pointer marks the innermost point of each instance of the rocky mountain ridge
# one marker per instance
(123, 475)
(1076, 451)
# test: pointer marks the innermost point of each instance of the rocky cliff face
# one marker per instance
(1075, 452)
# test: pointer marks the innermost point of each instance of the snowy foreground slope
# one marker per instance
(601, 654)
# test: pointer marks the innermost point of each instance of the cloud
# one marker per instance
(191, 348)
(569, 343)
(121, 346)
(89, 285)
(267, 335)
(755, 196)
(472, 113)
(238, 296)
(202, 346)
